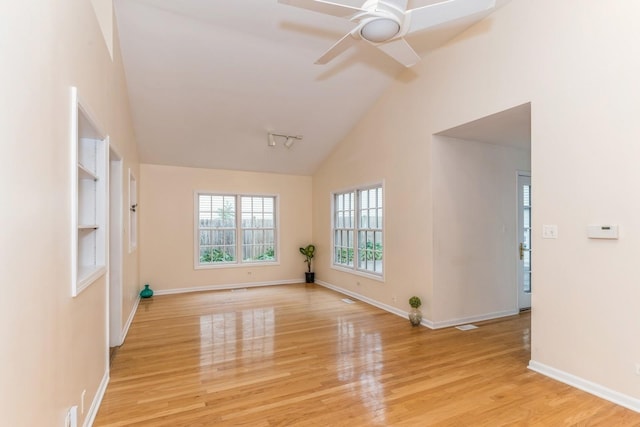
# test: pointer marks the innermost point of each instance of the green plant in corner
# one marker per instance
(415, 302)
(415, 315)
(308, 252)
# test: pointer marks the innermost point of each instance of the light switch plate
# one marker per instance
(549, 231)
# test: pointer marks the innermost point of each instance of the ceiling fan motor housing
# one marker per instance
(379, 29)
(382, 21)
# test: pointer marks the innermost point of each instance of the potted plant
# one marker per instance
(308, 252)
(415, 315)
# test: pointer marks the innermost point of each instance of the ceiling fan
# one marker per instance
(384, 23)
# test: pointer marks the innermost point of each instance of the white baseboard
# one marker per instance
(425, 322)
(585, 385)
(127, 325)
(471, 319)
(226, 287)
(97, 400)
(380, 305)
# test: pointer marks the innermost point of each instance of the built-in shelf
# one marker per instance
(84, 173)
(89, 168)
(88, 226)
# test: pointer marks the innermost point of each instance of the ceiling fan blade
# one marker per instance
(401, 5)
(439, 13)
(340, 46)
(326, 7)
(401, 51)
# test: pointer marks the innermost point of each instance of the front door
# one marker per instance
(524, 241)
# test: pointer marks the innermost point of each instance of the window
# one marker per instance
(227, 238)
(358, 230)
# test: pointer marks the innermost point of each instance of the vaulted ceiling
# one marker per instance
(208, 79)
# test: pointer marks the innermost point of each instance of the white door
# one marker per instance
(524, 241)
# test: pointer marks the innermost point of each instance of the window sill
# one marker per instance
(235, 265)
(379, 278)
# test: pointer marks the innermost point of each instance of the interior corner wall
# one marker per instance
(475, 228)
(577, 62)
(167, 219)
(54, 345)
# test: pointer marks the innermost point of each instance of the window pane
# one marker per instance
(219, 241)
(258, 224)
(365, 223)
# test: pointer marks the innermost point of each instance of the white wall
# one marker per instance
(167, 226)
(577, 62)
(475, 228)
(54, 346)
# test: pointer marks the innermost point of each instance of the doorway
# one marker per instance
(524, 240)
(116, 232)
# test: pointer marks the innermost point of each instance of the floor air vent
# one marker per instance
(466, 327)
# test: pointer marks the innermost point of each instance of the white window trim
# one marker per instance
(238, 263)
(355, 270)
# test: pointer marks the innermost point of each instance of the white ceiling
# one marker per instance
(510, 127)
(208, 79)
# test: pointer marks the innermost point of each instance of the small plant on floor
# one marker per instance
(415, 315)
(309, 252)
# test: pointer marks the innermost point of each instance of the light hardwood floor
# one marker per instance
(297, 355)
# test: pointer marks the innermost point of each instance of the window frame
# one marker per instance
(356, 230)
(238, 262)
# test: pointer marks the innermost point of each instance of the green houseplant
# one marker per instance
(308, 252)
(415, 315)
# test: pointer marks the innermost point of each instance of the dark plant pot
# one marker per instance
(309, 277)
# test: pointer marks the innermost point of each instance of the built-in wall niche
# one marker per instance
(89, 196)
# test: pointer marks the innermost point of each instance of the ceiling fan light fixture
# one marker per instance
(380, 30)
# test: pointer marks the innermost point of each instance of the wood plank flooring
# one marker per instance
(297, 355)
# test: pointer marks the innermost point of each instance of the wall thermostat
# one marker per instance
(602, 231)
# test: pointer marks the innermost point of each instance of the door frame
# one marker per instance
(523, 302)
(115, 245)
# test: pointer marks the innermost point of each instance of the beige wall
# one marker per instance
(54, 346)
(167, 226)
(474, 228)
(577, 62)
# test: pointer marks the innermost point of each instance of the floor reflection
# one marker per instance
(360, 362)
(237, 336)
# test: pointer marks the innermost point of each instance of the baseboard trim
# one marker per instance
(471, 319)
(585, 385)
(226, 287)
(425, 322)
(127, 325)
(380, 305)
(97, 400)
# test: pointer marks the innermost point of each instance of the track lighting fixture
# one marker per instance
(288, 139)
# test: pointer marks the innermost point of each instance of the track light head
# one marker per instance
(288, 139)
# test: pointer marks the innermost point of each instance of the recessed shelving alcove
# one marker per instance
(89, 192)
